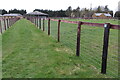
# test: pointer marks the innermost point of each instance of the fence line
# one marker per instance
(6, 23)
(106, 26)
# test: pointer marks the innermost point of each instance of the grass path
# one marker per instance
(30, 53)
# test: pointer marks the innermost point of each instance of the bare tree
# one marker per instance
(106, 9)
(78, 12)
(69, 11)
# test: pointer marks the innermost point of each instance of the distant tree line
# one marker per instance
(69, 12)
(78, 12)
(3, 11)
(84, 12)
(22, 12)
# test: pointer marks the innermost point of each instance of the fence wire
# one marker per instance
(68, 35)
(91, 44)
(113, 53)
(46, 25)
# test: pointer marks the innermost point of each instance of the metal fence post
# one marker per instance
(59, 30)
(78, 39)
(105, 47)
(48, 26)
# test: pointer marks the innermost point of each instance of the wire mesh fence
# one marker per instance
(112, 63)
(54, 29)
(91, 43)
(68, 35)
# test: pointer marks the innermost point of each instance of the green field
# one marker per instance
(112, 21)
(30, 53)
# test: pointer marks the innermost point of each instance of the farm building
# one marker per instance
(101, 15)
(37, 13)
(12, 15)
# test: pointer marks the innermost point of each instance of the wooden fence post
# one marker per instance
(48, 26)
(35, 20)
(39, 23)
(1, 26)
(31, 19)
(105, 47)
(78, 39)
(4, 24)
(43, 24)
(7, 23)
(59, 30)
(10, 22)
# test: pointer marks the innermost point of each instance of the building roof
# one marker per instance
(106, 14)
(12, 15)
(98, 14)
(37, 13)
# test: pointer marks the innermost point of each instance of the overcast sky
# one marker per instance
(30, 5)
